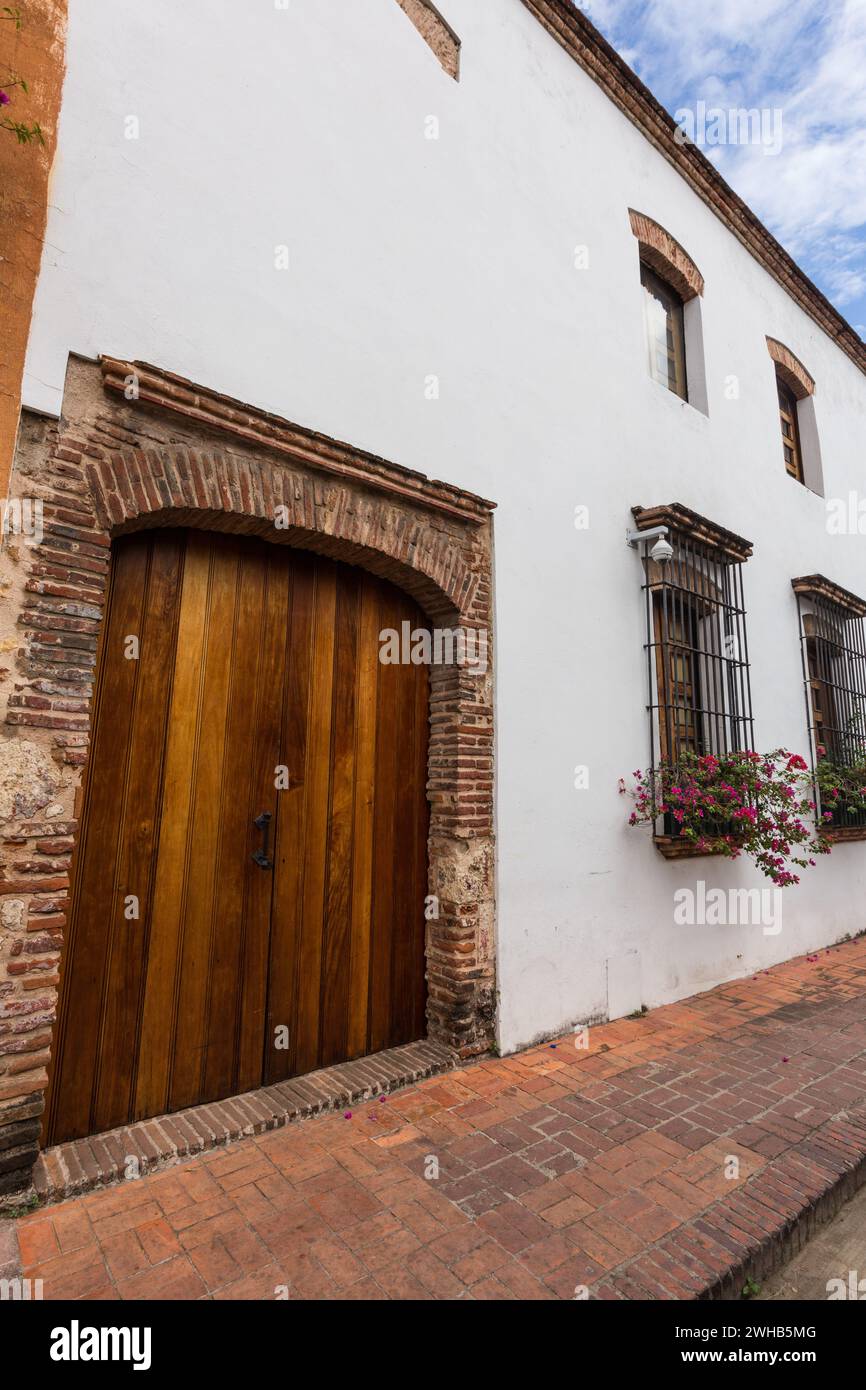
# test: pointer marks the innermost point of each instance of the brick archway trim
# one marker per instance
(436, 33)
(179, 454)
(791, 370)
(665, 255)
(140, 381)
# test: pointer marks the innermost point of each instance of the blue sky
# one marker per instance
(806, 58)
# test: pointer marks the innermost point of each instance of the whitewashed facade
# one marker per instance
(299, 208)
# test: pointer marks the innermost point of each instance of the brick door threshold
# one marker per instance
(131, 1151)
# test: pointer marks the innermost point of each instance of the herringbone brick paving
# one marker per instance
(559, 1169)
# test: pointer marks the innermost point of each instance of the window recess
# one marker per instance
(795, 391)
(697, 660)
(672, 287)
(833, 646)
(665, 333)
(792, 450)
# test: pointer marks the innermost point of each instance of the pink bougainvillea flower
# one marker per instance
(4, 98)
(758, 804)
(347, 1115)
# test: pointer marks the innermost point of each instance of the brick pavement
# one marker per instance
(559, 1169)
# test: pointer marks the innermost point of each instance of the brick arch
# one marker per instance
(791, 370)
(139, 448)
(443, 604)
(665, 255)
(338, 500)
(436, 33)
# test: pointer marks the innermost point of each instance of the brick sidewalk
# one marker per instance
(558, 1168)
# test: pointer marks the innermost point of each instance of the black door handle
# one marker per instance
(263, 823)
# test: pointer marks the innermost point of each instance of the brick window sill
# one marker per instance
(841, 834)
(672, 847)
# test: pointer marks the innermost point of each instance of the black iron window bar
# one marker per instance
(697, 656)
(833, 648)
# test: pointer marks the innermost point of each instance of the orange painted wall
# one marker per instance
(36, 53)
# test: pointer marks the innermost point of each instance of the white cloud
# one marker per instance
(804, 57)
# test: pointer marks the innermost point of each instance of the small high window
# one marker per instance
(665, 328)
(672, 287)
(795, 390)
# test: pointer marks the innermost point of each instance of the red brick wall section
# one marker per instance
(791, 370)
(185, 456)
(666, 256)
(436, 33)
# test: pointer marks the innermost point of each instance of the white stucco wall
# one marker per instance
(412, 257)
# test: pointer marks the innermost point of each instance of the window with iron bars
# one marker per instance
(833, 645)
(697, 657)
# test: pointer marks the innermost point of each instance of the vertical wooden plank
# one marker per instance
(362, 833)
(404, 920)
(384, 836)
(234, 837)
(138, 831)
(95, 908)
(179, 779)
(336, 944)
(212, 795)
(253, 1043)
(291, 824)
(421, 827)
(318, 775)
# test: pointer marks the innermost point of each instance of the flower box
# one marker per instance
(759, 804)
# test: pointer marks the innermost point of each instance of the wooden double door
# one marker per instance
(248, 890)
